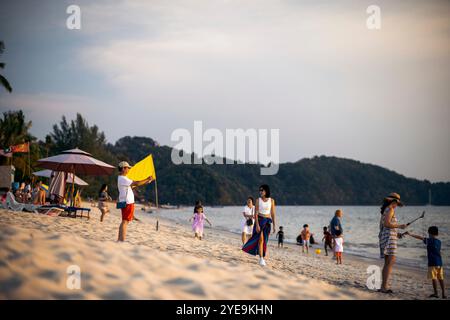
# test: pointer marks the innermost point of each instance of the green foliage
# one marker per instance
(14, 130)
(78, 134)
(316, 181)
(4, 83)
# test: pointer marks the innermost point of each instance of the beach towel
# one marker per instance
(251, 246)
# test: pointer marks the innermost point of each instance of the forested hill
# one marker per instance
(316, 181)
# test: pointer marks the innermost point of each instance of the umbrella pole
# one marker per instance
(73, 187)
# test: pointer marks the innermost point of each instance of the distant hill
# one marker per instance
(315, 181)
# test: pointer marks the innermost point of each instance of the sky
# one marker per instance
(311, 69)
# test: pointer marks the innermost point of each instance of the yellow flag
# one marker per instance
(142, 170)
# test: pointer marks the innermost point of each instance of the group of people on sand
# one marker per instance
(259, 219)
(332, 240)
(262, 215)
(388, 238)
(27, 193)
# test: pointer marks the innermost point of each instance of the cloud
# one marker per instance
(47, 108)
(311, 69)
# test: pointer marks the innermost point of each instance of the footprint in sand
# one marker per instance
(179, 281)
(53, 237)
(117, 295)
(69, 296)
(14, 255)
(63, 256)
(10, 284)
(9, 231)
(49, 275)
(193, 267)
(196, 290)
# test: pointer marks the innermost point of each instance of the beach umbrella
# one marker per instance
(76, 161)
(58, 184)
(48, 174)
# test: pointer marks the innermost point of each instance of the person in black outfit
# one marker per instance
(280, 236)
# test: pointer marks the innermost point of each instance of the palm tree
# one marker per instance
(3, 80)
(14, 129)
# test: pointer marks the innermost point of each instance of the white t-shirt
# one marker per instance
(125, 191)
(339, 245)
(245, 228)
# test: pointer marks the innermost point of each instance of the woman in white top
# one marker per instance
(248, 216)
(264, 218)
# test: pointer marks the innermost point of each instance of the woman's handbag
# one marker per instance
(249, 222)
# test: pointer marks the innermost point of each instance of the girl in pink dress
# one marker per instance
(198, 222)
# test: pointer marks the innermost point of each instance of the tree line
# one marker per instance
(319, 180)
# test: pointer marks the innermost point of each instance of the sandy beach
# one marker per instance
(36, 251)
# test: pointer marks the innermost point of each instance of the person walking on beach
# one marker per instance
(335, 224)
(103, 197)
(338, 246)
(248, 219)
(306, 235)
(327, 240)
(126, 196)
(264, 218)
(198, 222)
(388, 237)
(435, 268)
(280, 237)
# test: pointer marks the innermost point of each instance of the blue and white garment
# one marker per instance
(388, 236)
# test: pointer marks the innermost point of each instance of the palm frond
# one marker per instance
(5, 83)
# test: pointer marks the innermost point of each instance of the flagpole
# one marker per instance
(156, 193)
(29, 160)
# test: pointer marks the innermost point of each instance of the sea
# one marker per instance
(360, 225)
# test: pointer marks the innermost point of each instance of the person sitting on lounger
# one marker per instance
(38, 194)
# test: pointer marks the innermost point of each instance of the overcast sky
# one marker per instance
(309, 68)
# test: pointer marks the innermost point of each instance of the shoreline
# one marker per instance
(407, 264)
(293, 246)
(35, 251)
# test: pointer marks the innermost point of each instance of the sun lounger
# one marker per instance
(74, 211)
(12, 204)
(51, 210)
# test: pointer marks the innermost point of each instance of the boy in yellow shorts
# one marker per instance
(435, 269)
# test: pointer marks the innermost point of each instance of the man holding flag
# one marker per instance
(126, 196)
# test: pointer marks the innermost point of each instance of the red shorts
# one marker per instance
(339, 254)
(128, 212)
